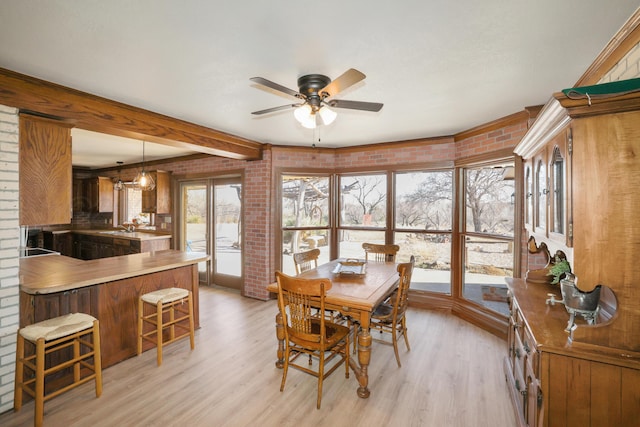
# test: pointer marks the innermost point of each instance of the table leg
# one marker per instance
(361, 367)
(280, 336)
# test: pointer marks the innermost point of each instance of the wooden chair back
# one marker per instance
(405, 270)
(380, 253)
(297, 300)
(307, 260)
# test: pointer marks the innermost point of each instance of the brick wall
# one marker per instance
(495, 140)
(9, 242)
(627, 68)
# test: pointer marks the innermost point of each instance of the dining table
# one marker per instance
(355, 296)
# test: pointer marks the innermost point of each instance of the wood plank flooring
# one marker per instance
(451, 377)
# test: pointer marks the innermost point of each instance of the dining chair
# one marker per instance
(390, 315)
(307, 260)
(381, 253)
(305, 333)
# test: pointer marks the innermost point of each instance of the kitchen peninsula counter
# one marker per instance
(108, 289)
(57, 273)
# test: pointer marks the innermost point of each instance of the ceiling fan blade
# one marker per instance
(348, 78)
(271, 110)
(268, 83)
(355, 105)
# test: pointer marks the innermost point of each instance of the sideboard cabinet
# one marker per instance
(588, 375)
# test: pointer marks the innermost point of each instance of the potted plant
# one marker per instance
(559, 269)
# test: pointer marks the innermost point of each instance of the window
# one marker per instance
(423, 211)
(363, 212)
(305, 217)
(132, 206)
(488, 235)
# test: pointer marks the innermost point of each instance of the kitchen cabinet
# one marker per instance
(158, 200)
(45, 171)
(99, 194)
(59, 241)
(91, 246)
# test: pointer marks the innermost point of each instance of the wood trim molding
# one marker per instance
(500, 123)
(551, 120)
(614, 51)
(98, 114)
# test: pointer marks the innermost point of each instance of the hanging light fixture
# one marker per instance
(118, 185)
(306, 115)
(327, 115)
(143, 180)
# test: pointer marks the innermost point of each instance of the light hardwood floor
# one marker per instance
(451, 377)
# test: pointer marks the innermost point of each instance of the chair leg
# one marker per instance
(17, 392)
(394, 338)
(159, 333)
(191, 323)
(346, 357)
(140, 324)
(404, 332)
(320, 378)
(285, 367)
(97, 357)
(39, 390)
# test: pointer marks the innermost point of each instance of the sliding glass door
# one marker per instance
(210, 222)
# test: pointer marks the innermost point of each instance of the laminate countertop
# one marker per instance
(58, 273)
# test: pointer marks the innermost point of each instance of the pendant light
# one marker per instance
(143, 180)
(118, 185)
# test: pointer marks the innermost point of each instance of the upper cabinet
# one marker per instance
(158, 200)
(99, 194)
(45, 171)
(547, 186)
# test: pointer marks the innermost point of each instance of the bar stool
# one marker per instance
(50, 338)
(169, 301)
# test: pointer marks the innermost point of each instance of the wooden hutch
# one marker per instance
(582, 197)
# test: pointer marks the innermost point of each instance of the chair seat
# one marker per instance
(165, 295)
(334, 333)
(57, 327)
(383, 312)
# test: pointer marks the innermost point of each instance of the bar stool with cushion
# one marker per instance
(54, 339)
(168, 304)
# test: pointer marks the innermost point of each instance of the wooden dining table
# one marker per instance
(355, 296)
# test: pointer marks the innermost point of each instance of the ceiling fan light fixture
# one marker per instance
(305, 116)
(327, 115)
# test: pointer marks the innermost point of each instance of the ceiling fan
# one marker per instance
(314, 92)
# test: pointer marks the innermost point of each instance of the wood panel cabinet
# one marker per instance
(555, 381)
(87, 246)
(589, 376)
(158, 200)
(99, 194)
(58, 241)
(45, 171)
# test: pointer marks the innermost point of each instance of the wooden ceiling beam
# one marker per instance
(94, 113)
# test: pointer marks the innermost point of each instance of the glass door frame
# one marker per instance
(211, 276)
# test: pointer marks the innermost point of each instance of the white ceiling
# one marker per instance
(439, 66)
